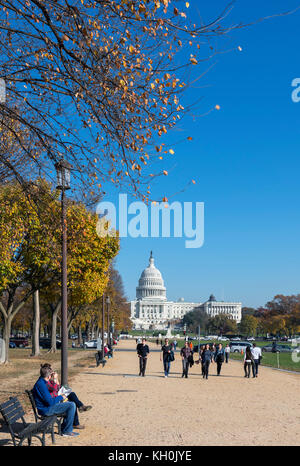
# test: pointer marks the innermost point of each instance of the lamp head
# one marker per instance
(63, 172)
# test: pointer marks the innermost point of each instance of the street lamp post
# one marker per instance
(107, 305)
(63, 183)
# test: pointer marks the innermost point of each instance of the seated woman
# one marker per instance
(54, 386)
(48, 405)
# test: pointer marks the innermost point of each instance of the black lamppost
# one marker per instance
(107, 306)
(63, 183)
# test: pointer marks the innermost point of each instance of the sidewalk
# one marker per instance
(226, 410)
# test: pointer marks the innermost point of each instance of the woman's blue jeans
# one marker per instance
(167, 367)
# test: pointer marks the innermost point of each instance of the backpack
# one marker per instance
(171, 356)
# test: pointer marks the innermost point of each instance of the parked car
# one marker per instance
(20, 342)
(238, 346)
(293, 340)
(251, 339)
(236, 339)
(74, 336)
(90, 344)
(279, 349)
(223, 339)
(45, 343)
(12, 344)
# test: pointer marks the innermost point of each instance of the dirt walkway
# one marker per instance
(225, 410)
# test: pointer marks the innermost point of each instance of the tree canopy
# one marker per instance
(31, 250)
(98, 82)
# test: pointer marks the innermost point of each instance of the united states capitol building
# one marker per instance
(152, 309)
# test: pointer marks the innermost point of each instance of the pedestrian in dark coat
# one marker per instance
(219, 357)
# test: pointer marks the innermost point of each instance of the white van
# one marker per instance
(238, 346)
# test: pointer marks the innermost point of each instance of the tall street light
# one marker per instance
(63, 183)
(107, 306)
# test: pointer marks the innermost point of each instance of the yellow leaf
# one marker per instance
(217, 107)
(171, 151)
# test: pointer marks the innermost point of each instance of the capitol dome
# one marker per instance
(151, 285)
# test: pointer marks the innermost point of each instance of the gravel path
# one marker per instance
(226, 410)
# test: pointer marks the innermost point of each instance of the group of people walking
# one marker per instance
(207, 354)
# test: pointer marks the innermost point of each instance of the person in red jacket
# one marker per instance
(54, 387)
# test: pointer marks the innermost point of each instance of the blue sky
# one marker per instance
(245, 159)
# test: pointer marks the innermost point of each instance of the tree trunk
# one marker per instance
(54, 327)
(36, 325)
(88, 331)
(6, 336)
(79, 333)
(8, 316)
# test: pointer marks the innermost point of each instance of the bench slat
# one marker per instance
(12, 412)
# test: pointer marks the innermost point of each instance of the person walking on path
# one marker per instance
(201, 360)
(185, 354)
(54, 387)
(207, 358)
(256, 353)
(219, 357)
(48, 405)
(143, 351)
(166, 355)
(175, 344)
(248, 362)
(227, 352)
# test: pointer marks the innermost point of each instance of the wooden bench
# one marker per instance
(12, 411)
(38, 417)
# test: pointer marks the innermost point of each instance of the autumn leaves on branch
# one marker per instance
(97, 82)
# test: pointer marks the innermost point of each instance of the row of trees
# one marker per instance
(30, 269)
(280, 316)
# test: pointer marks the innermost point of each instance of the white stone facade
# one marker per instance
(151, 308)
(213, 308)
